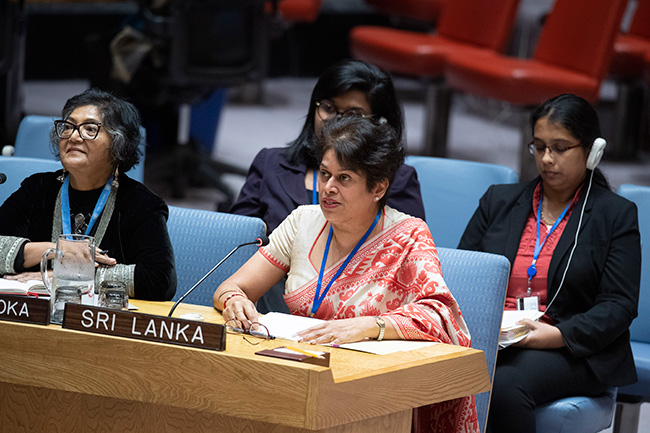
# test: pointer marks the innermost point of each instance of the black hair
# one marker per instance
(578, 117)
(368, 146)
(336, 80)
(119, 118)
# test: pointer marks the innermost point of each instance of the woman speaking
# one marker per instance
(370, 271)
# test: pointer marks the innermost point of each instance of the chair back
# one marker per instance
(451, 190)
(482, 23)
(641, 22)
(579, 35)
(200, 240)
(17, 169)
(478, 282)
(299, 11)
(640, 195)
(33, 141)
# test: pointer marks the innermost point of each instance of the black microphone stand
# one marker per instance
(261, 241)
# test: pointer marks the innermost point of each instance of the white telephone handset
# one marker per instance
(596, 153)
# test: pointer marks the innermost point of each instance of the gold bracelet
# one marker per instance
(382, 327)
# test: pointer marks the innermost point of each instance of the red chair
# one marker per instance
(572, 56)
(627, 69)
(630, 48)
(465, 26)
(303, 11)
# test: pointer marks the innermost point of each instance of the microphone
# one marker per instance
(3, 178)
(260, 242)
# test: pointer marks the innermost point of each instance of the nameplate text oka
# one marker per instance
(25, 309)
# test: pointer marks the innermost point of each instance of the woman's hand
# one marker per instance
(241, 309)
(341, 331)
(27, 276)
(541, 336)
(102, 258)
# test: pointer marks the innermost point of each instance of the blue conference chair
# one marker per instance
(33, 141)
(200, 240)
(451, 190)
(577, 414)
(478, 281)
(16, 169)
(632, 396)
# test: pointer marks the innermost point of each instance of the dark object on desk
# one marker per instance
(199, 46)
(290, 354)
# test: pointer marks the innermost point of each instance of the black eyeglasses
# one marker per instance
(256, 329)
(556, 149)
(87, 131)
(326, 110)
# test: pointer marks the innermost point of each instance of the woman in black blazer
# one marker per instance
(587, 286)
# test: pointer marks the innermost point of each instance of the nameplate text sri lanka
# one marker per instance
(141, 326)
(26, 309)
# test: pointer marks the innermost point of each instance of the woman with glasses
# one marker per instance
(368, 270)
(96, 142)
(281, 179)
(574, 249)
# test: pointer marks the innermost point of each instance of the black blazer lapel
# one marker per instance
(292, 179)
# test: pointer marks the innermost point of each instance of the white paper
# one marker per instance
(511, 317)
(14, 286)
(286, 326)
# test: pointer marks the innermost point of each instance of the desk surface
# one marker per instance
(235, 383)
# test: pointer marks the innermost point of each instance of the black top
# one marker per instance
(599, 297)
(275, 187)
(136, 234)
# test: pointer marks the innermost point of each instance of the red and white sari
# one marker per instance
(395, 274)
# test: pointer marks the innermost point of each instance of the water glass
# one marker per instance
(64, 295)
(113, 294)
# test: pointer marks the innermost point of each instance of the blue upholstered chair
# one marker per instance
(577, 414)
(632, 396)
(16, 169)
(451, 190)
(33, 140)
(478, 281)
(201, 239)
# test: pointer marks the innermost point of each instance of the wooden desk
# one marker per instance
(54, 379)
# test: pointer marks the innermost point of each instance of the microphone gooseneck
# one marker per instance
(260, 241)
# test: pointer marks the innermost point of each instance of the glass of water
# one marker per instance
(113, 294)
(64, 295)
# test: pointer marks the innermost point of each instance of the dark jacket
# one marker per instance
(599, 297)
(136, 234)
(275, 187)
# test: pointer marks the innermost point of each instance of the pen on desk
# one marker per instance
(304, 352)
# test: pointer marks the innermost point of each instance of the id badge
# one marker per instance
(528, 303)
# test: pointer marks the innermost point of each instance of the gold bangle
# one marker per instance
(382, 327)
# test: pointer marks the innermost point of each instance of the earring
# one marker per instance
(61, 177)
(376, 198)
(115, 182)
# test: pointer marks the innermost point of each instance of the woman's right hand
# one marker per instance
(241, 309)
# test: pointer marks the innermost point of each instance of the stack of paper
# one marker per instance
(14, 287)
(511, 330)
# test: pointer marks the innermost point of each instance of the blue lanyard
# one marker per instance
(314, 191)
(99, 207)
(532, 269)
(318, 298)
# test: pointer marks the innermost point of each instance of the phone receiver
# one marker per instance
(596, 153)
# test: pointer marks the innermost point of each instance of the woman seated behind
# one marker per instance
(575, 252)
(370, 271)
(97, 142)
(282, 178)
